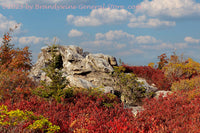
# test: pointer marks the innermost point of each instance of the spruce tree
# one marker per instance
(54, 88)
(53, 70)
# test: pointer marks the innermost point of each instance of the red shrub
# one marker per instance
(83, 113)
(99, 113)
(170, 114)
(152, 75)
(80, 113)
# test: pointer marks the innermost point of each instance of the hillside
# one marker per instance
(54, 105)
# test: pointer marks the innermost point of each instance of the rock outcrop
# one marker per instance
(85, 70)
(82, 69)
(149, 88)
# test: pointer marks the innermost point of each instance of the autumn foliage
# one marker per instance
(15, 65)
(90, 110)
(14, 58)
(174, 113)
(84, 113)
(163, 61)
(152, 75)
(186, 84)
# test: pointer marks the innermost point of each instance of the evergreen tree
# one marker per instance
(6, 50)
(57, 81)
(53, 70)
(55, 87)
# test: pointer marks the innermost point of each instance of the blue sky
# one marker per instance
(137, 31)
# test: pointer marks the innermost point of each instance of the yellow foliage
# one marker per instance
(178, 67)
(39, 124)
(151, 64)
(186, 84)
(193, 66)
(14, 117)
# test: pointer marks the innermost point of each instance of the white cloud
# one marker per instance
(103, 46)
(145, 39)
(99, 43)
(165, 46)
(32, 40)
(75, 33)
(172, 8)
(125, 44)
(119, 35)
(114, 35)
(143, 22)
(100, 16)
(119, 42)
(191, 40)
(6, 24)
(83, 21)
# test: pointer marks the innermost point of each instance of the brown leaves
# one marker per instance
(14, 58)
(14, 66)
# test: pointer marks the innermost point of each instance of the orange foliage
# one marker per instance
(14, 58)
(15, 65)
(163, 61)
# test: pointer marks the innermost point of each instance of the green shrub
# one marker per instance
(55, 87)
(53, 71)
(131, 90)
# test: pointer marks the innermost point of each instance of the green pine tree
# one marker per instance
(53, 70)
(55, 87)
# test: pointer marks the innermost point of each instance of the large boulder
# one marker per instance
(86, 70)
(82, 69)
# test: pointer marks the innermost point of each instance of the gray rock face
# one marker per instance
(82, 69)
(79, 82)
(149, 88)
(163, 93)
(86, 70)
